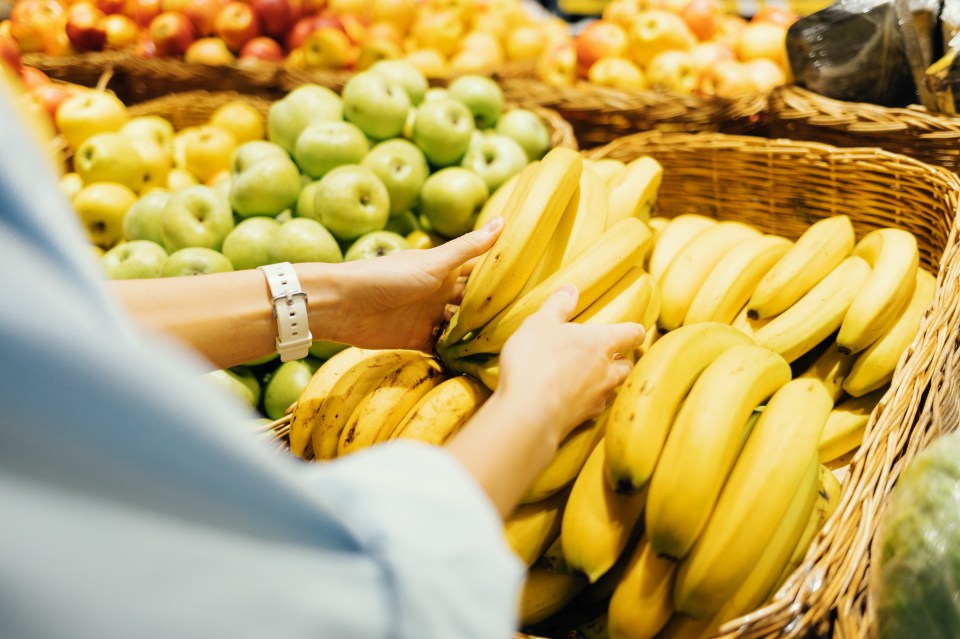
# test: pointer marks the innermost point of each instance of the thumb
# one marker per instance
(453, 254)
(560, 306)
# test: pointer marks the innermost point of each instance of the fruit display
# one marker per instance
(684, 47)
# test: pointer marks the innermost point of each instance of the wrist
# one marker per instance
(325, 301)
(534, 417)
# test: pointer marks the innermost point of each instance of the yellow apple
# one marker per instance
(617, 73)
(655, 31)
(373, 51)
(180, 178)
(328, 48)
(441, 30)
(556, 33)
(398, 12)
(208, 151)
(600, 39)
(482, 41)
(241, 119)
(704, 54)
(87, 113)
(348, 7)
(179, 145)
(623, 12)
(71, 183)
(727, 79)
(762, 40)
(472, 62)
(558, 67)
(673, 71)
(151, 127)
(765, 74)
(491, 22)
(102, 207)
(296, 59)
(157, 162)
(524, 43)
(212, 52)
(430, 62)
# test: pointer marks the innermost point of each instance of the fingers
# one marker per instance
(561, 305)
(453, 254)
(467, 266)
(622, 338)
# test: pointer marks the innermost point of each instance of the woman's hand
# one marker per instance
(400, 300)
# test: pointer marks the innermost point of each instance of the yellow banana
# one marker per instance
(377, 415)
(569, 460)
(893, 257)
(606, 168)
(728, 287)
(671, 240)
(642, 604)
(814, 255)
(688, 270)
(347, 392)
(831, 368)
(756, 497)
(597, 523)
(633, 192)
(496, 204)
(874, 366)
(531, 528)
(531, 216)
(592, 272)
(645, 406)
(817, 314)
(747, 326)
(545, 591)
(304, 418)
(486, 370)
(682, 626)
(846, 425)
(442, 411)
(596, 628)
(704, 442)
(625, 301)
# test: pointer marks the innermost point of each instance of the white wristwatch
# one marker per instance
(290, 311)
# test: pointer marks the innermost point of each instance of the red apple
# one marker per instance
(209, 51)
(203, 15)
(33, 77)
(172, 32)
(142, 11)
(85, 27)
(777, 15)
(600, 39)
(302, 29)
(726, 79)
(51, 96)
(276, 16)
(262, 48)
(236, 23)
(122, 32)
(110, 7)
(56, 41)
(10, 53)
(703, 17)
(145, 46)
(33, 20)
(355, 28)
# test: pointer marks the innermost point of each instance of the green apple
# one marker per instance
(352, 201)
(285, 386)
(305, 105)
(195, 261)
(134, 260)
(222, 185)
(377, 105)
(239, 382)
(144, 220)
(150, 127)
(451, 199)
(251, 152)
(403, 224)
(266, 187)
(196, 216)
(260, 361)
(327, 145)
(436, 93)
(402, 168)
(406, 75)
(248, 244)
(325, 349)
(442, 130)
(482, 95)
(303, 240)
(284, 216)
(495, 158)
(527, 129)
(307, 201)
(70, 184)
(375, 244)
(110, 157)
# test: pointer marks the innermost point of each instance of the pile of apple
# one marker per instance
(687, 47)
(440, 37)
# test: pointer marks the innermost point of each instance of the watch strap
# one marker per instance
(290, 310)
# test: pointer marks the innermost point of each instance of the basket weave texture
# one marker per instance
(800, 114)
(782, 186)
(600, 115)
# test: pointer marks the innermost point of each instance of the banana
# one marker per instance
(747, 326)
(846, 425)
(688, 270)
(704, 442)
(642, 604)
(592, 272)
(496, 204)
(831, 368)
(377, 414)
(304, 419)
(531, 528)
(625, 301)
(756, 497)
(531, 216)
(671, 240)
(597, 523)
(569, 459)
(644, 409)
(348, 391)
(893, 257)
(486, 370)
(729, 285)
(596, 628)
(817, 314)
(545, 591)
(874, 366)
(442, 411)
(633, 192)
(606, 168)
(684, 627)
(814, 255)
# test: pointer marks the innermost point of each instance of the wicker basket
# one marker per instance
(601, 115)
(800, 114)
(781, 187)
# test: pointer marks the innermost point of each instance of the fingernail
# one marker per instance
(494, 224)
(567, 289)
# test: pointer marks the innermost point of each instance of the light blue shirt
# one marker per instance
(136, 502)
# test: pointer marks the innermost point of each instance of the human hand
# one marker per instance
(570, 369)
(400, 300)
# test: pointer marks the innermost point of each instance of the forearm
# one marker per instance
(504, 447)
(227, 317)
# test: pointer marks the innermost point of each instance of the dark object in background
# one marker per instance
(5, 9)
(854, 51)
